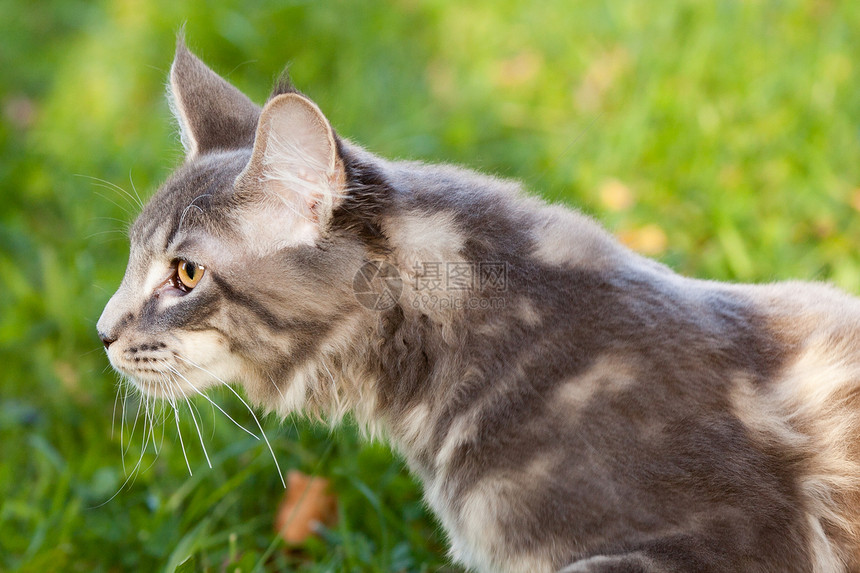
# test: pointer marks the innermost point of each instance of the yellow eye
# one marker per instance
(189, 274)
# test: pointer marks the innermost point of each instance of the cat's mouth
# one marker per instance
(160, 376)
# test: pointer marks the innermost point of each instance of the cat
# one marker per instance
(567, 404)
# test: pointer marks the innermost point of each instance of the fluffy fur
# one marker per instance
(567, 404)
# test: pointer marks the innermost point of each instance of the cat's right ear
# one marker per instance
(212, 114)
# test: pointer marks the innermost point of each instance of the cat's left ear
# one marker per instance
(295, 169)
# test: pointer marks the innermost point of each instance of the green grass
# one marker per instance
(731, 128)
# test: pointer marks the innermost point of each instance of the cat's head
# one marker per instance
(234, 265)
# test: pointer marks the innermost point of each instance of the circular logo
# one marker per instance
(377, 285)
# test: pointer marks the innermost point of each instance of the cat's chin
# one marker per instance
(162, 385)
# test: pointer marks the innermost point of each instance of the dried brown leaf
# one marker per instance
(306, 504)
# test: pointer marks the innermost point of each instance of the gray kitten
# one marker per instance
(567, 404)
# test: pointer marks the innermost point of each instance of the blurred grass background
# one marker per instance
(720, 137)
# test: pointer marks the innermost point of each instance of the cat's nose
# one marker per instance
(106, 340)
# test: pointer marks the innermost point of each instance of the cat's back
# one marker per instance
(608, 392)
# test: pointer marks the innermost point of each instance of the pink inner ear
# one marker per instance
(303, 173)
(302, 137)
(293, 171)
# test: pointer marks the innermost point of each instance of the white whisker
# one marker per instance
(278, 390)
(193, 404)
(172, 400)
(253, 415)
(118, 206)
(135, 201)
(199, 433)
(181, 443)
(190, 205)
(119, 232)
(130, 476)
(144, 440)
(146, 421)
(122, 424)
(335, 394)
(162, 421)
(133, 188)
(128, 479)
(155, 447)
(134, 426)
(193, 387)
(113, 414)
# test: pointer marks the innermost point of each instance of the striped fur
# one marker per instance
(595, 412)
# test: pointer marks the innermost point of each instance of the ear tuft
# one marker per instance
(283, 85)
(212, 114)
